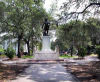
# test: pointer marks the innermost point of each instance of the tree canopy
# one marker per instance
(23, 19)
(78, 34)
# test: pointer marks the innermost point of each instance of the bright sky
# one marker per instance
(49, 2)
(47, 7)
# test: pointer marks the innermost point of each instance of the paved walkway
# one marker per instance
(45, 73)
(84, 61)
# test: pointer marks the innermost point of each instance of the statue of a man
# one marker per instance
(45, 27)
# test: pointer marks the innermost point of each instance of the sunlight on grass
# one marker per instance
(24, 57)
(2, 56)
(68, 56)
(93, 55)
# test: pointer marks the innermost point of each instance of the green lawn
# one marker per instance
(68, 56)
(24, 57)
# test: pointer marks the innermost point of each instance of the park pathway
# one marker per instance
(45, 73)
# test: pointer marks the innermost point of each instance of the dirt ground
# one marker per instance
(85, 73)
(8, 72)
(88, 72)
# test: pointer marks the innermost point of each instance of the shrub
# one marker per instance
(82, 51)
(1, 51)
(10, 52)
(98, 51)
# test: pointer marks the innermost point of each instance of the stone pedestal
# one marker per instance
(46, 43)
(46, 53)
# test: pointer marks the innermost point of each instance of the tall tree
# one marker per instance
(34, 25)
(93, 28)
(18, 16)
(73, 34)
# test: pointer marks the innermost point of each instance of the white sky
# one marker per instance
(47, 7)
(49, 2)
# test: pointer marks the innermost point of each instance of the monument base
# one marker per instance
(46, 53)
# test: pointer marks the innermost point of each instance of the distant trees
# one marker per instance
(73, 33)
(93, 28)
(79, 34)
(2, 9)
(80, 24)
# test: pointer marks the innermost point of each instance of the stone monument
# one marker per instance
(46, 53)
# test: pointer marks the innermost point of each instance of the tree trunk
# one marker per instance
(71, 52)
(19, 54)
(19, 41)
(32, 46)
(28, 46)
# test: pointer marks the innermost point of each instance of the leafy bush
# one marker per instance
(10, 52)
(1, 51)
(82, 52)
(98, 51)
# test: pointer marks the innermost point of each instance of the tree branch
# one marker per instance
(91, 4)
(69, 15)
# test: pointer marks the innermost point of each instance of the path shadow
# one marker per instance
(47, 73)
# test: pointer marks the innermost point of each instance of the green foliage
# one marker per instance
(39, 45)
(2, 9)
(98, 51)
(23, 20)
(10, 52)
(82, 51)
(73, 33)
(62, 45)
(53, 45)
(1, 51)
(79, 33)
(93, 29)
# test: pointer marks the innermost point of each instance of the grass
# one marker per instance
(68, 56)
(93, 55)
(24, 57)
(2, 56)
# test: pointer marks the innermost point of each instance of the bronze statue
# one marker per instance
(45, 27)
